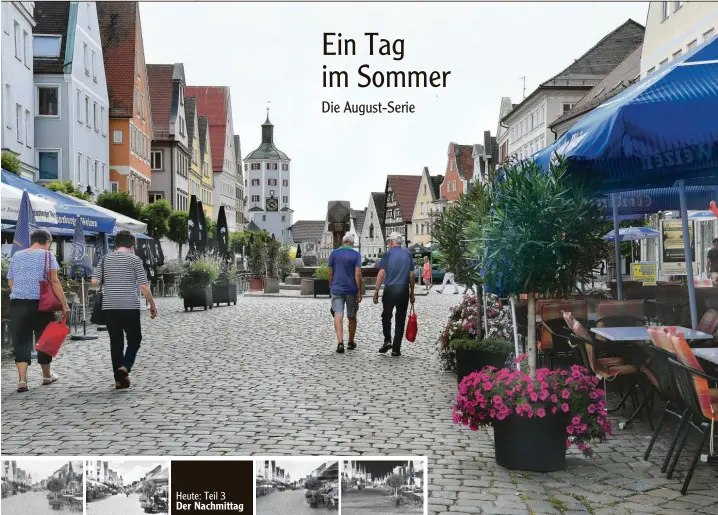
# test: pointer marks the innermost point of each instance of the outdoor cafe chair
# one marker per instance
(553, 339)
(693, 385)
(660, 350)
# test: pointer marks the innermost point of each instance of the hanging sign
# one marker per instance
(673, 257)
(646, 273)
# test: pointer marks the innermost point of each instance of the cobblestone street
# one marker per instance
(375, 501)
(120, 504)
(263, 378)
(31, 503)
(289, 502)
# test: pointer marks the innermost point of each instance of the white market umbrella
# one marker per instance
(702, 216)
(633, 234)
(10, 198)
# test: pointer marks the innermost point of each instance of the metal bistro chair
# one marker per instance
(693, 385)
(170, 285)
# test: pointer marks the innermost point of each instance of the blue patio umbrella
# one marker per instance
(25, 225)
(660, 132)
(632, 234)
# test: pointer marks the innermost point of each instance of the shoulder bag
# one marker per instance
(98, 316)
(49, 303)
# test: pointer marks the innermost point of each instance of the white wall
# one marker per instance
(18, 82)
(370, 247)
(687, 24)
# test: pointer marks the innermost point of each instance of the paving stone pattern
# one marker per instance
(262, 377)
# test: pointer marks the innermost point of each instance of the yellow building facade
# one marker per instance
(422, 216)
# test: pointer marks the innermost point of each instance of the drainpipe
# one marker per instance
(172, 178)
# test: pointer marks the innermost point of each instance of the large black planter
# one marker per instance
(321, 287)
(224, 293)
(197, 298)
(469, 360)
(531, 444)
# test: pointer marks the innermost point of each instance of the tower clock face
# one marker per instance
(272, 204)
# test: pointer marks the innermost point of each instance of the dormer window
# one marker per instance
(46, 46)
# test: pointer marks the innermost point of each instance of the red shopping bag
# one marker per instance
(412, 327)
(52, 337)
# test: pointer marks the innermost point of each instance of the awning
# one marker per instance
(121, 221)
(60, 231)
(67, 208)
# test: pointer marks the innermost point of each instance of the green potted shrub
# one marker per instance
(256, 265)
(224, 289)
(321, 280)
(473, 354)
(285, 265)
(196, 284)
(542, 234)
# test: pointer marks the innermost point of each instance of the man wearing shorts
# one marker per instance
(345, 280)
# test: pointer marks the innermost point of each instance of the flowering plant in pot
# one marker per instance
(564, 408)
(464, 323)
(474, 354)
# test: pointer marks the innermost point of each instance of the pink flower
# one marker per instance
(534, 396)
(473, 427)
(492, 413)
(553, 410)
(487, 385)
(456, 418)
(569, 429)
(564, 407)
(565, 394)
(497, 400)
(541, 413)
(576, 420)
(554, 398)
(581, 447)
(543, 395)
(591, 408)
(518, 410)
(568, 442)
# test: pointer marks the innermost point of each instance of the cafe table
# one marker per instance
(591, 318)
(708, 354)
(640, 334)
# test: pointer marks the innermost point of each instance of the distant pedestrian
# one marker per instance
(427, 273)
(397, 274)
(27, 269)
(712, 263)
(448, 279)
(345, 280)
(120, 273)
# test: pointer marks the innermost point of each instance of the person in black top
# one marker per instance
(712, 263)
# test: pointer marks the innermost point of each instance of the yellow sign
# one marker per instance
(647, 273)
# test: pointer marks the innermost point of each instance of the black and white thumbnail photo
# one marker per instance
(383, 487)
(41, 486)
(127, 487)
(297, 486)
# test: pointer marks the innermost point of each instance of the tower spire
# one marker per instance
(268, 128)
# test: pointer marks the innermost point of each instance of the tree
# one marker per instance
(11, 163)
(395, 481)
(55, 484)
(285, 263)
(177, 229)
(119, 202)
(68, 188)
(156, 216)
(543, 234)
(272, 259)
(211, 235)
(236, 241)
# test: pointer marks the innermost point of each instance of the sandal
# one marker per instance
(340, 348)
(352, 345)
(22, 386)
(49, 380)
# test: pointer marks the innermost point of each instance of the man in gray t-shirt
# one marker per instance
(397, 274)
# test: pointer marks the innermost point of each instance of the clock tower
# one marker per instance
(268, 186)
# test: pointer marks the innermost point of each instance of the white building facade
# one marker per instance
(18, 99)
(675, 28)
(71, 99)
(268, 187)
(373, 242)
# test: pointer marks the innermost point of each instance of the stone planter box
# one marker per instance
(307, 287)
(271, 285)
(256, 284)
(224, 293)
(197, 298)
(293, 280)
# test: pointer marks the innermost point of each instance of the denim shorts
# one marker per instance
(338, 302)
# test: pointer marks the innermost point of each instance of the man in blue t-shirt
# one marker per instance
(345, 281)
(397, 274)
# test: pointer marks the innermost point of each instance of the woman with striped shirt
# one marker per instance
(120, 273)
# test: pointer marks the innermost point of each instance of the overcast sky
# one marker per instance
(274, 52)
(296, 468)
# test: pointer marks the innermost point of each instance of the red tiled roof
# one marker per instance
(464, 161)
(212, 102)
(117, 30)
(159, 77)
(405, 187)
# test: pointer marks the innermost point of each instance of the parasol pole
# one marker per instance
(84, 336)
(512, 300)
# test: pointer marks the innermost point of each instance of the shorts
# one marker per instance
(714, 277)
(338, 302)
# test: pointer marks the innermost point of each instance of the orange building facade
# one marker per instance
(130, 105)
(459, 171)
